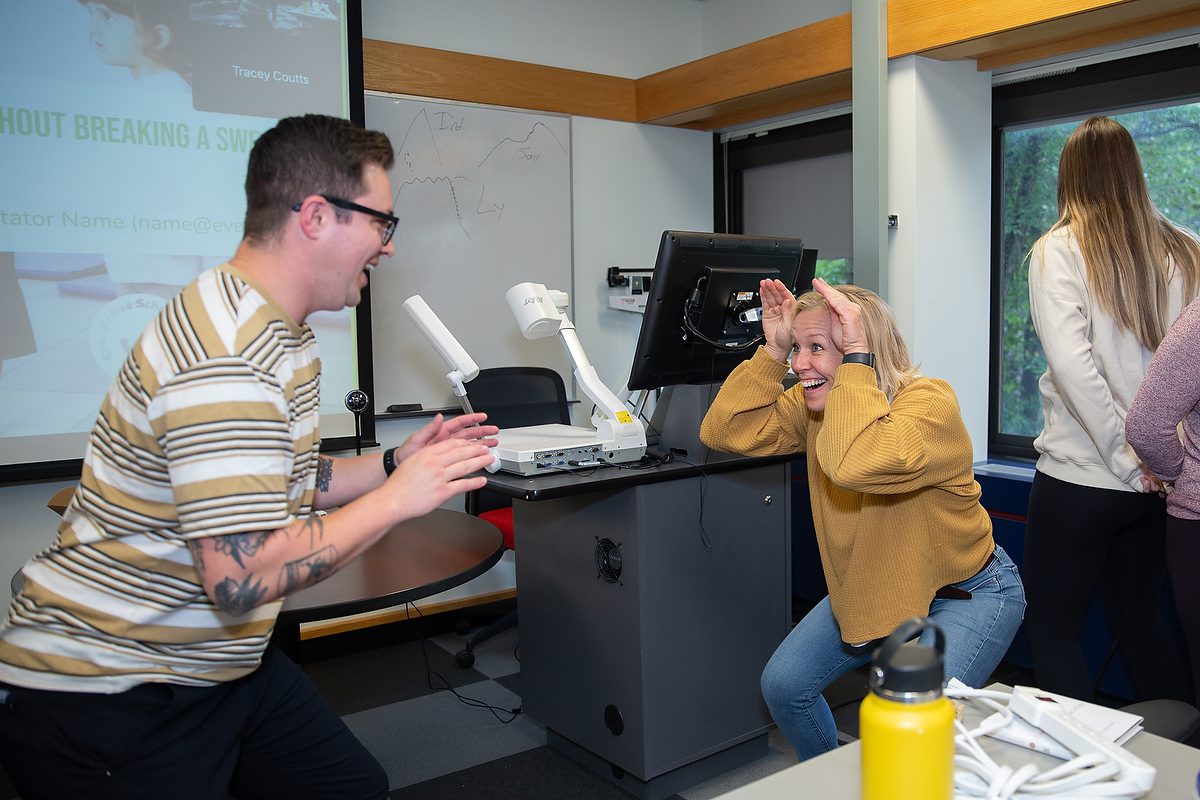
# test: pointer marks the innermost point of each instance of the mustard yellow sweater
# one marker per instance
(894, 500)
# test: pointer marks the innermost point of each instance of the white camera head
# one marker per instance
(536, 309)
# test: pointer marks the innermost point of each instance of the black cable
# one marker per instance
(643, 463)
(430, 673)
(689, 306)
(642, 416)
(705, 540)
(587, 472)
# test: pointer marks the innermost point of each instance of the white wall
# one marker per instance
(626, 38)
(939, 259)
(630, 183)
(733, 23)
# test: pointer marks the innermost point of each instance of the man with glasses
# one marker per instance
(135, 660)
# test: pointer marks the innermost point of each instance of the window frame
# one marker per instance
(1162, 78)
(822, 137)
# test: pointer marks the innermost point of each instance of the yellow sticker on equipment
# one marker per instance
(624, 417)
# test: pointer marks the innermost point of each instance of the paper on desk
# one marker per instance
(1116, 726)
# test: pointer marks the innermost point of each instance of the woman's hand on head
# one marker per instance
(776, 303)
(847, 330)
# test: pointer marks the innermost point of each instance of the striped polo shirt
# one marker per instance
(209, 428)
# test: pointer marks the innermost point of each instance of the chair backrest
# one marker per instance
(514, 397)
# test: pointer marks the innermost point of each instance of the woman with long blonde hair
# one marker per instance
(895, 504)
(1105, 283)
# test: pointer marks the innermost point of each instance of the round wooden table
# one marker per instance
(415, 559)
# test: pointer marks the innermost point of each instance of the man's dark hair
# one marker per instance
(301, 156)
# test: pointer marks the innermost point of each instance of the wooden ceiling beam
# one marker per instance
(917, 26)
(803, 68)
(788, 59)
(1072, 35)
(464, 77)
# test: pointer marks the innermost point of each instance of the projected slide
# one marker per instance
(124, 133)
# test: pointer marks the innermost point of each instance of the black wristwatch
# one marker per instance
(859, 358)
(389, 461)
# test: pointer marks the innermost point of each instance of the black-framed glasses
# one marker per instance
(391, 219)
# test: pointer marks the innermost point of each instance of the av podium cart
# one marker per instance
(649, 602)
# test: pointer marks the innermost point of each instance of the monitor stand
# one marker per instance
(677, 418)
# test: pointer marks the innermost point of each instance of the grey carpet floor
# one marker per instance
(436, 745)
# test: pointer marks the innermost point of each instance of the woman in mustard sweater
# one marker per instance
(894, 500)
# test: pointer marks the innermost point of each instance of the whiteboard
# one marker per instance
(484, 201)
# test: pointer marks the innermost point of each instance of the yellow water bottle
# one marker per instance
(906, 724)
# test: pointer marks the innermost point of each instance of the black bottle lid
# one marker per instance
(899, 669)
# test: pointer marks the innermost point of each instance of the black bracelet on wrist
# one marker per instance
(859, 358)
(389, 461)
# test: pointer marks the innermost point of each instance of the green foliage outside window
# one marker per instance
(835, 271)
(1168, 140)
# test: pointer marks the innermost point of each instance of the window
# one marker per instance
(1033, 121)
(792, 181)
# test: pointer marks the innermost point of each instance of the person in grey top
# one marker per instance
(1169, 396)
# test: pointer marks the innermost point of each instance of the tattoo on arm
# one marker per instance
(314, 526)
(195, 546)
(236, 545)
(240, 598)
(308, 570)
(324, 473)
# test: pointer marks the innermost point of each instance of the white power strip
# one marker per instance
(1028, 703)
(1098, 768)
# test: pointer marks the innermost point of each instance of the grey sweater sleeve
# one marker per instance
(1168, 394)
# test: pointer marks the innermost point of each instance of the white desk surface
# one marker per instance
(835, 775)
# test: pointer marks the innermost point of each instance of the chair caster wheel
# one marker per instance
(465, 659)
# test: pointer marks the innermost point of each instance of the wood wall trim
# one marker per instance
(788, 100)
(803, 68)
(784, 60)
(915, 26)
(447, 75)
(1005, 52)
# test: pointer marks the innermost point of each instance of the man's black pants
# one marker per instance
(267, 735)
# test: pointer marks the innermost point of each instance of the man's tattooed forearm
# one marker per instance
(238, 544)
(308, 570)
(240, 598)
(324, 473)
(197, 558)
(314, 526)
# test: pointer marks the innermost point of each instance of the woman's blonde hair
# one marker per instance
(1129, 247)
(893, 368)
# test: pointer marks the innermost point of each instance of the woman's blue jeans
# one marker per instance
(978, 632)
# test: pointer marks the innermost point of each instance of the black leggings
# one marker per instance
(1078, 537)
(1183, 555)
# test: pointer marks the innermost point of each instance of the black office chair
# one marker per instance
(512, 397)
(1168, 718)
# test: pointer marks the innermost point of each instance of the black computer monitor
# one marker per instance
(702, 283)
